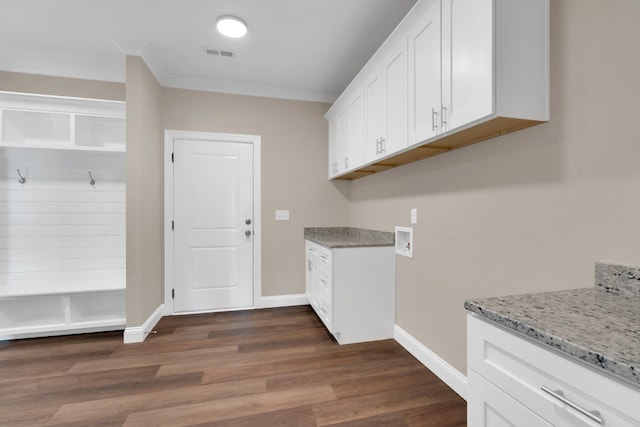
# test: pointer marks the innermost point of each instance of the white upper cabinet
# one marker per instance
(338, 141)
(394, 91)
(347, 132)
(355, 128)
(450, 66)
(425, 88)
(453, 73)
(385, 89)
(467, 62)
(373, 114)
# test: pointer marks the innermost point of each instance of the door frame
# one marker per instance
(169, 137)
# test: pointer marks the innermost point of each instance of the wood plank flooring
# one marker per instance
(272, 367)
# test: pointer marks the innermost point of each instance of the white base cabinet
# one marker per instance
(514, 381)
(352, 291)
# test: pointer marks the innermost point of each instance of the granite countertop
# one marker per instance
(348, 237)
(598, 325)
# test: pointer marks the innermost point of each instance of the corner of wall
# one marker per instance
(139, 333)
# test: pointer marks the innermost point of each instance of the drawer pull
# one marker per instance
(558, 394)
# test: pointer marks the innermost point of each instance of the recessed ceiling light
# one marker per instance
(231, 26)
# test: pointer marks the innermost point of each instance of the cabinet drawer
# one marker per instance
(323, 255)
(523, 369)
(324, 309)
(311, 249)
(491, 407)
(325, 284)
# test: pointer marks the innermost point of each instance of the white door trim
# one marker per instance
(169, 137)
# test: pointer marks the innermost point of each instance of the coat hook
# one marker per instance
(91, 180)
(22, 179)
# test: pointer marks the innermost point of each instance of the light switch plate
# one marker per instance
(282, 215)
(414, 216)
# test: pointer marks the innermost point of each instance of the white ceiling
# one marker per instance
(296, 49)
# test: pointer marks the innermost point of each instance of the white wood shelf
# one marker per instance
(69, 282)
(62, 235)
(118, 148)
(60, 123)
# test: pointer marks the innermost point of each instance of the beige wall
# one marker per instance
(294, 170)
(60, 86)
(530, 211)
(144, 193)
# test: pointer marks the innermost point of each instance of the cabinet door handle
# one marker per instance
(558, 394)
(443, 117)
(346, 163)
(377, 146)
(434, 120)
(383, 145)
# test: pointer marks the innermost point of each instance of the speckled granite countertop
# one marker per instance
(599, 325)
(348, 237)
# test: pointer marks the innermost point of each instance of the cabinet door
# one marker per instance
(337, 141)
(356, 131)
(333, 141)
(310, 278)
(373, 114)
(488, 406)
(343, 139)
(395, 94)
(425, 76)
(467, 61)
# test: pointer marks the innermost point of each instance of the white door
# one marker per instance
(213, 225)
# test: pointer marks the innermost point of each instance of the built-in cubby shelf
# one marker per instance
(38, 121)
(62, 215)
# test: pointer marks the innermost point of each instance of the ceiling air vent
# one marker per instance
(219, 52)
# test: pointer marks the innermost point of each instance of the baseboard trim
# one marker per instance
(282, 301)
(139, 333)
(70, 331)
(447, 373)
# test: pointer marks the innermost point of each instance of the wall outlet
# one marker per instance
(282, 215)
(414, 216)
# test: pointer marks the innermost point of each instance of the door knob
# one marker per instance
(247, 233)
(247, 221)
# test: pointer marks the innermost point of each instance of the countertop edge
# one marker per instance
(597, 361)
(348, 237)
(347, 245)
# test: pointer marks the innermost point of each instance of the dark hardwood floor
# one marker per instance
(272, 367)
